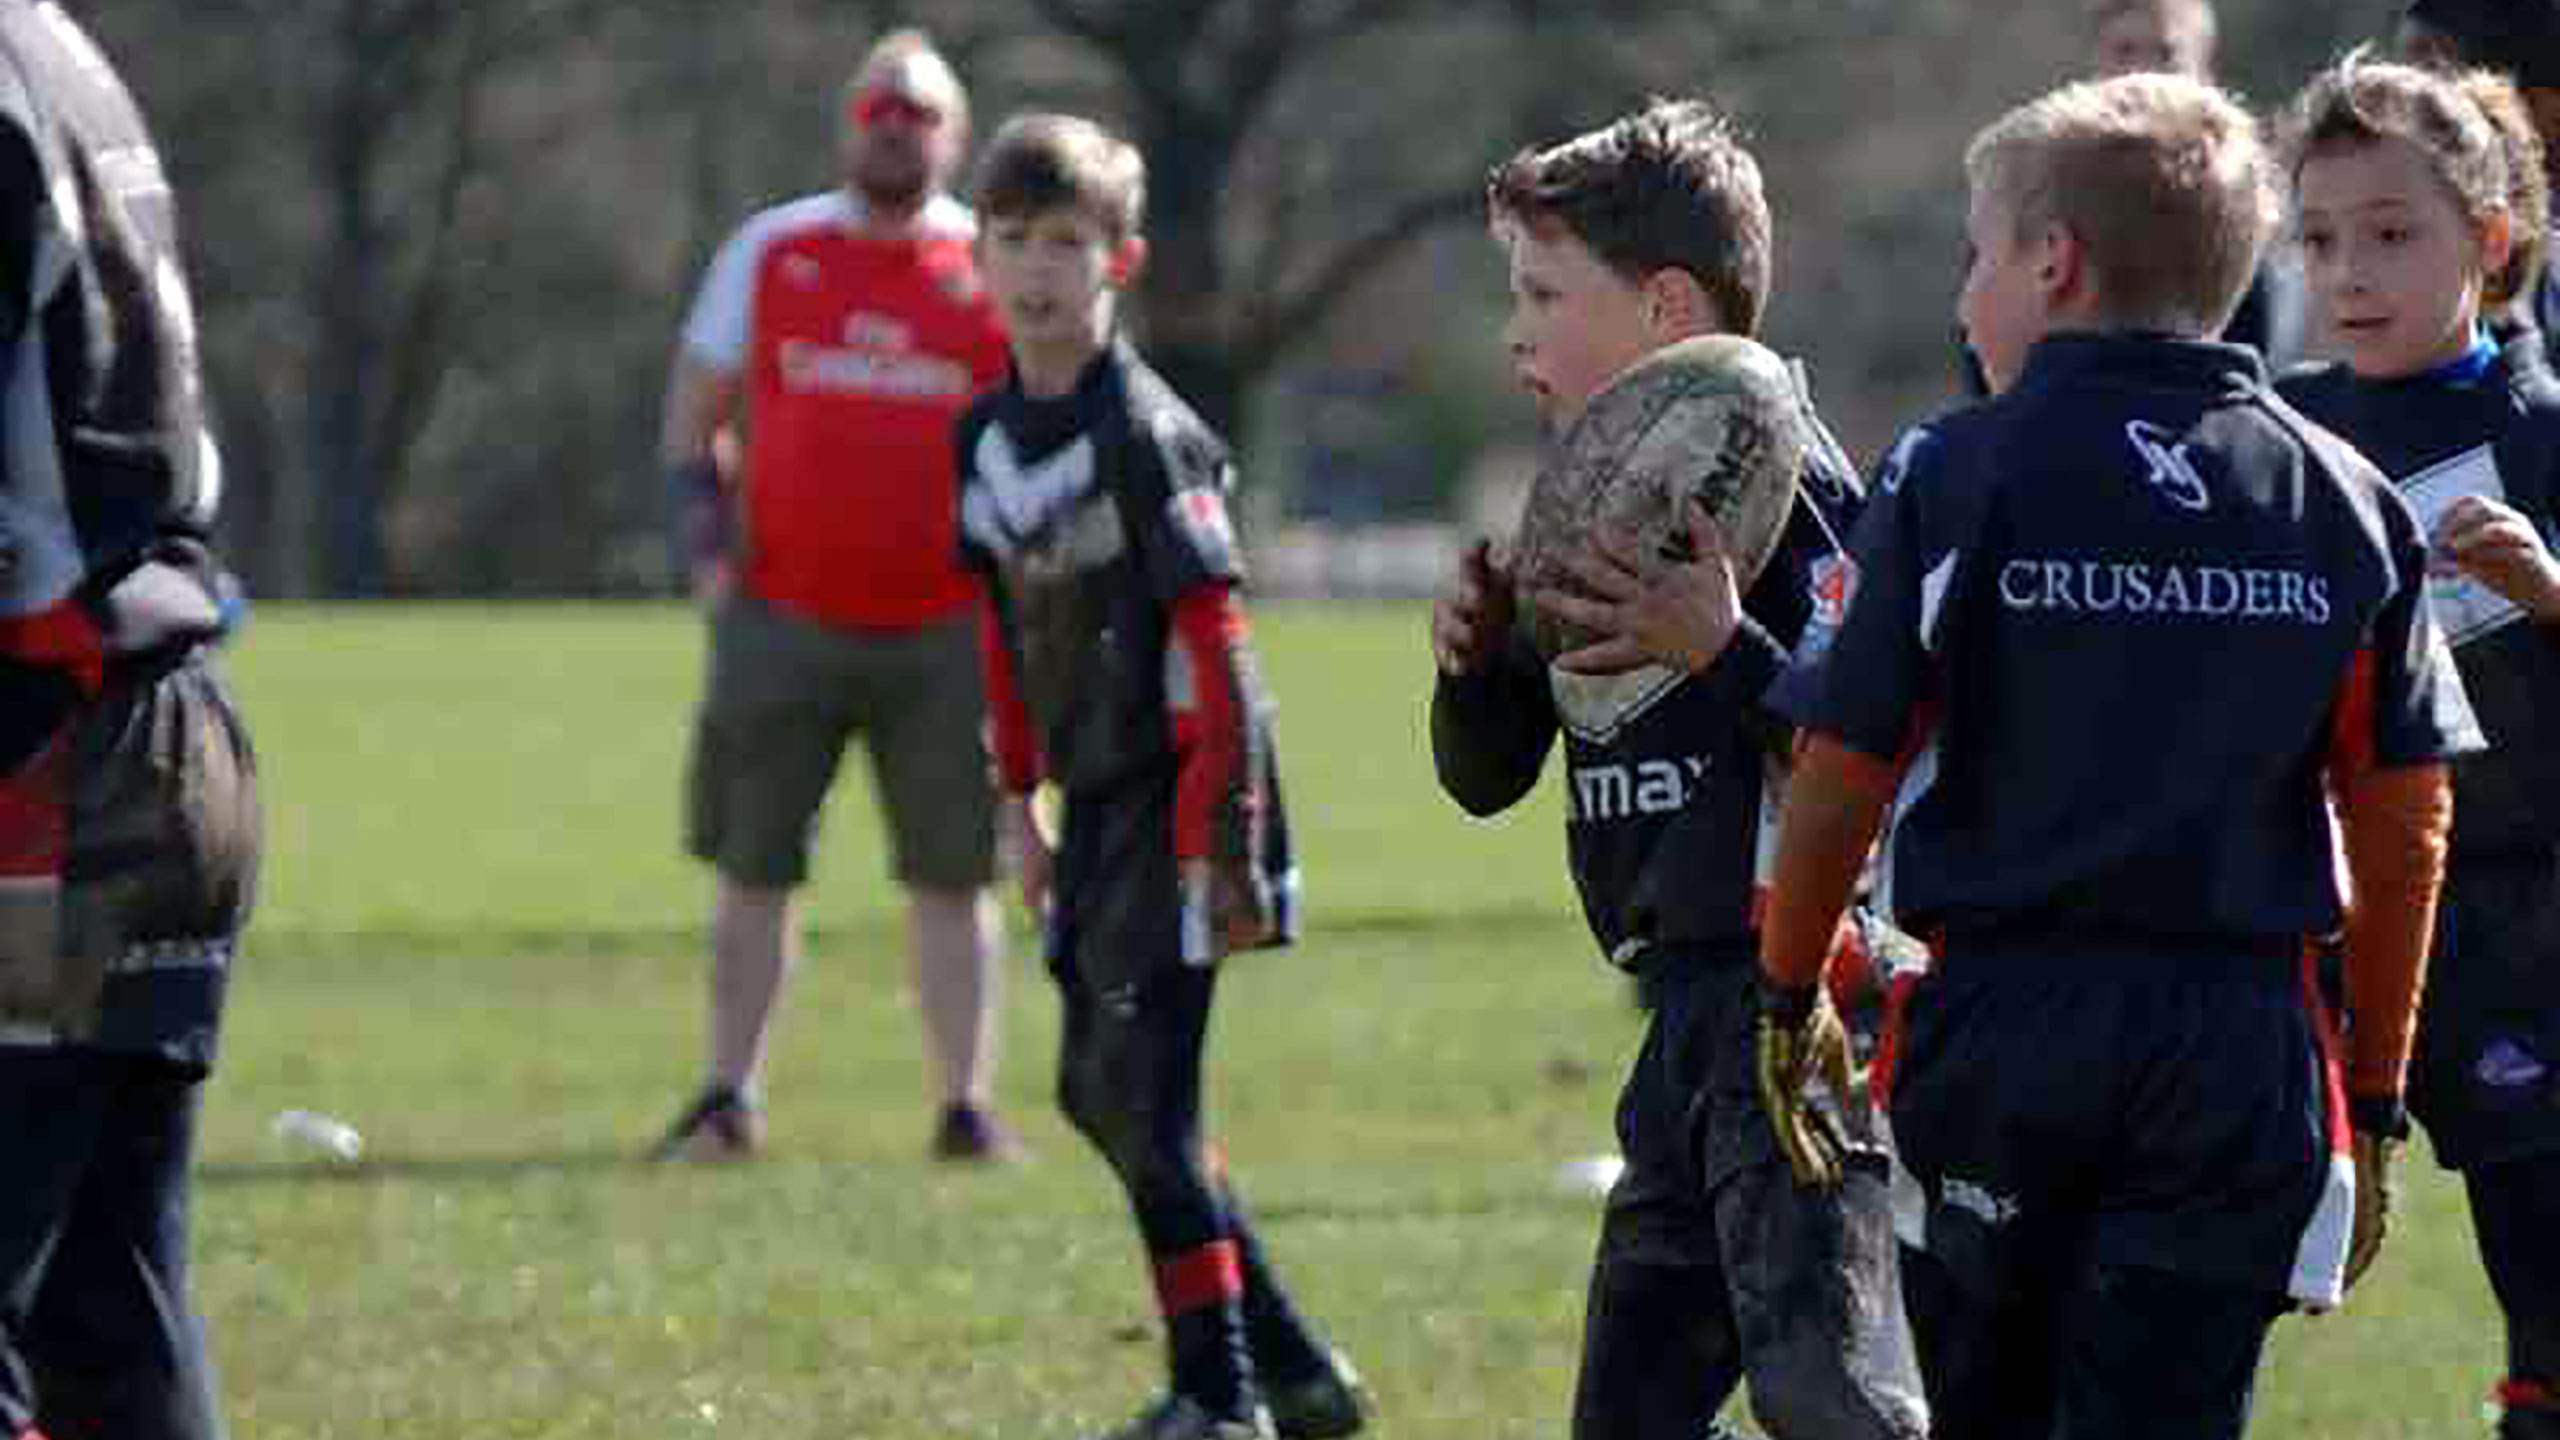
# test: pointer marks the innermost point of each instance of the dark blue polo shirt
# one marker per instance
(2110, 616)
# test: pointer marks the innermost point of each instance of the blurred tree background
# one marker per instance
(442, 247)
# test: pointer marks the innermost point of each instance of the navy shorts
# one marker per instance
(2485, 1080)
(2117, 1148)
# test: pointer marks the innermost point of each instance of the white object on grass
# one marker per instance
(322, 1132)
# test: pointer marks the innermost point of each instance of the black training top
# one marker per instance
(2489, 425)
(1091, 513)
(1670, 814)
(2110, 617)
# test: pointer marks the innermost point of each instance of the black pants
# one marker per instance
(1135, 1030)
(98, 1337)
(1714, 1266)
(2515, 1213)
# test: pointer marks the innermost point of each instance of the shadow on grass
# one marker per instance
(492, 1169)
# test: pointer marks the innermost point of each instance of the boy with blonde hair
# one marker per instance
(1118, 668)
(2118, 632)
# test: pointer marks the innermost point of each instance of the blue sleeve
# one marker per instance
(1863, 681)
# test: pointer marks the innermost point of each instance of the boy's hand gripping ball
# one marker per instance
(1718, 418)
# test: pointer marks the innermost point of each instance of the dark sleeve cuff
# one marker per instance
(1750, 663)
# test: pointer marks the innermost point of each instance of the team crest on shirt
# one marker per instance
(2171, 470)
(1831, 584)
(1201, 517)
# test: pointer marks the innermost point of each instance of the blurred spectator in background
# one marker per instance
(839, 336)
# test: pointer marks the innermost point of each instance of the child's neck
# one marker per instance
(1049, 371)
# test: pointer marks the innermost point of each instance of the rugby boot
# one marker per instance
(720, 1125)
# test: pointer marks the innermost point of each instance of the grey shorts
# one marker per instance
(782, 698)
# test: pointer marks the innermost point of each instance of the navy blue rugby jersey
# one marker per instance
(2489, 424)
(1670, 794)
(1090, 514)
(2108, 619)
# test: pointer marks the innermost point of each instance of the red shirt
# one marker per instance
(858, 348)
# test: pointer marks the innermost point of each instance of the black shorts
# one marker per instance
(2485, 1080)
(165, 843)
(2064, 1102)
(1115, 907)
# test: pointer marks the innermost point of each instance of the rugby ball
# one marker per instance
(1718, 418)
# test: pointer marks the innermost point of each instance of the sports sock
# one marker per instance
(1201, 1292)
(2530, 1410)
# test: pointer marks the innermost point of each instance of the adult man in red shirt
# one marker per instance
(833, 343)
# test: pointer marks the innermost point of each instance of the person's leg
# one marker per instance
(2153, 1355)
(766, 747)
(755, 945)
(958, 986)
(1312, 1390)
(1660, 1351)
(2515, 1212)
(1130, 1083)
(49, 1130)
(118, 1346)
(922, 717)
(1986, 1367)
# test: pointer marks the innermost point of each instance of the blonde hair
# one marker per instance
(1036, 163)
(913, 43)
(2162, 180)
(2472, 129)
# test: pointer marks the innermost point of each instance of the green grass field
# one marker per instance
(478, 945)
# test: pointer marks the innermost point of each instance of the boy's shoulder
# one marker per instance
(1164, 425)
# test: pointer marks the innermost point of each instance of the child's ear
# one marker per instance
(2061, 264)
(2497, 245)
(1128, 260)
(1676, 306)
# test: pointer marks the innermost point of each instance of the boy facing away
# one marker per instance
(2115, 631)
(1713, 1265)
(1094, 501)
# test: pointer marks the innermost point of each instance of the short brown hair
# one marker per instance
(1670, 187)
(1038, 163)
(2471, 127)
(2162, 180)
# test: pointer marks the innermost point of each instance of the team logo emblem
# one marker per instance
(1833, 585)
(1202, 514)
(2172, 473)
